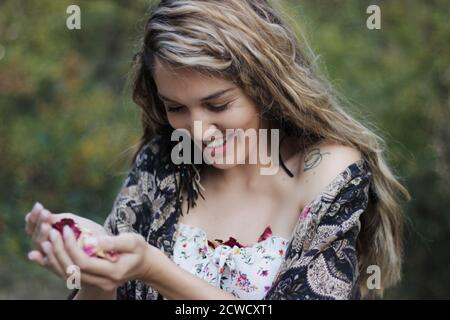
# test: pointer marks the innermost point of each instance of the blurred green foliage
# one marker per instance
(68, 126)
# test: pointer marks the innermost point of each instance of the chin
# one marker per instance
(220, 162)
(223, 166)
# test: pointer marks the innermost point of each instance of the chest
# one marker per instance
(245, 214)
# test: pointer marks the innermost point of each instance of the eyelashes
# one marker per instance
(174, 109)
(219, 108)
(210, 107)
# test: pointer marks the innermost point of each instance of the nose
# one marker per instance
(203, 127)
(203, 132)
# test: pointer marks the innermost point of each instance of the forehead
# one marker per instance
(173, 82)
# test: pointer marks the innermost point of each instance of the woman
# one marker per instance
(309, 231)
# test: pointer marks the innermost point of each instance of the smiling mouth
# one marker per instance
(218, 143)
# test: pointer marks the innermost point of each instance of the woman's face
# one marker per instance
(214, 107)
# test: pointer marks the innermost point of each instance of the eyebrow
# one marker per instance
(210, 97)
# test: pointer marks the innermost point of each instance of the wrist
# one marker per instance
(154, 261)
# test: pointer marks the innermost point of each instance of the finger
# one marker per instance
(91, 280)
(32, 217)
(125, 242)
(43, 233)
(81, 259)
(97, 281)
(59, 250)
(34, 212)
(54, 218)
(36, 256)
(42, 217)
(51, 261)
(29, 227)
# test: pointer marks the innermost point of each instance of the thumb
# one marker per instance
(57, 217)
(124, 242)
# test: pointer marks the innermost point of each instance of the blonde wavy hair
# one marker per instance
(247, 42)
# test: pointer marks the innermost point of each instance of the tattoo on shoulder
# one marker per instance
(313, 158)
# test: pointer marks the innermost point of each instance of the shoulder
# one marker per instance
(320, 165)
(150, 155)
(151, 147)
(153, 166)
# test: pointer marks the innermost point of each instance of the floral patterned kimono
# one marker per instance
(319, 261)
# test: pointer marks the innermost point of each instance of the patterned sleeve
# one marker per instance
(127, 213)
(131, 208)
(322, 263)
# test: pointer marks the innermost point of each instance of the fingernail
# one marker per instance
(53, 235)
(46, 247)
(45, 214)
(37, 206)
(44, 227)
(66, 231)
(30, 256)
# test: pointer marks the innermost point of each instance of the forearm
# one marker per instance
(175, 283)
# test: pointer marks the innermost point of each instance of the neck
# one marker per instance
(248, 177)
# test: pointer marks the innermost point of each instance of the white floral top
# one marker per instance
(244, 271)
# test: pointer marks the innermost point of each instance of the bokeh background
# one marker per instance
(68, 125)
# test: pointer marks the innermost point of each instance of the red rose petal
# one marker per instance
(67, 222)
(90, 249)
(211, 244)
(233, 242)
(266, 234)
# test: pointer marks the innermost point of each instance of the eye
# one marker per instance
(211, 107)
(218, 108)
(175, 109)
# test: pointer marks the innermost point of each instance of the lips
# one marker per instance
(217, 144)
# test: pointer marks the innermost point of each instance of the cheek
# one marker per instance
(244, 118)
(177, 121)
